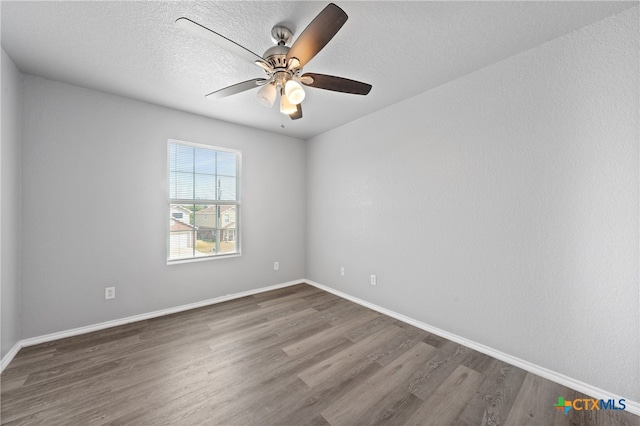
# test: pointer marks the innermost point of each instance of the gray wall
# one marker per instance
(501, 207)
(10, 204)
(94, 208)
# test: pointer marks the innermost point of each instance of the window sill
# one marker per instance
(202, 259)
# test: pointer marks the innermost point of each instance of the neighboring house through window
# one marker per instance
(204, 201)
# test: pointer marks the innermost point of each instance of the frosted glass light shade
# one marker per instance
(286, 107)
(267, 95)
(295, 92)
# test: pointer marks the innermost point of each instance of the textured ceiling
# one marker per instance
(133, 49)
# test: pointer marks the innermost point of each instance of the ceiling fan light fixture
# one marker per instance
(267, 95)
(286, 107)
(294, 92)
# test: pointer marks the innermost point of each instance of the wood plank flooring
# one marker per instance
(294, 356)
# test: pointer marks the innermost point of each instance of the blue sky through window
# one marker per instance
(201, 173)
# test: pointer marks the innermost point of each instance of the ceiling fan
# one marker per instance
(283, 64)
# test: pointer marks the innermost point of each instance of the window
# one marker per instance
(204, 201)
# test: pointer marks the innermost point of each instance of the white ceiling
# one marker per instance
(133, 49)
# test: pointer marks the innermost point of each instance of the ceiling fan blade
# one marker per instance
(236, 88)
(337, 84)
(217, 39)
(317, 34)
(298, 114)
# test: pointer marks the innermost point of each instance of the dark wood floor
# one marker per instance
(293, 356)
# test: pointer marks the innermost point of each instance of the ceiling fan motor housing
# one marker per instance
(276, 56)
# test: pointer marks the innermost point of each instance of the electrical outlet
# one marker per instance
(342, 271)
(276, 266)
(110, 293)
(373, 280)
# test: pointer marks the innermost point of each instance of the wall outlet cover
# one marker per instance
(110, 293)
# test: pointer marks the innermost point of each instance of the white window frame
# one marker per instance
(236, 202)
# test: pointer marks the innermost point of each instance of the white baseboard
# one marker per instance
(6, 359)
(127, 320)
(585, 388)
